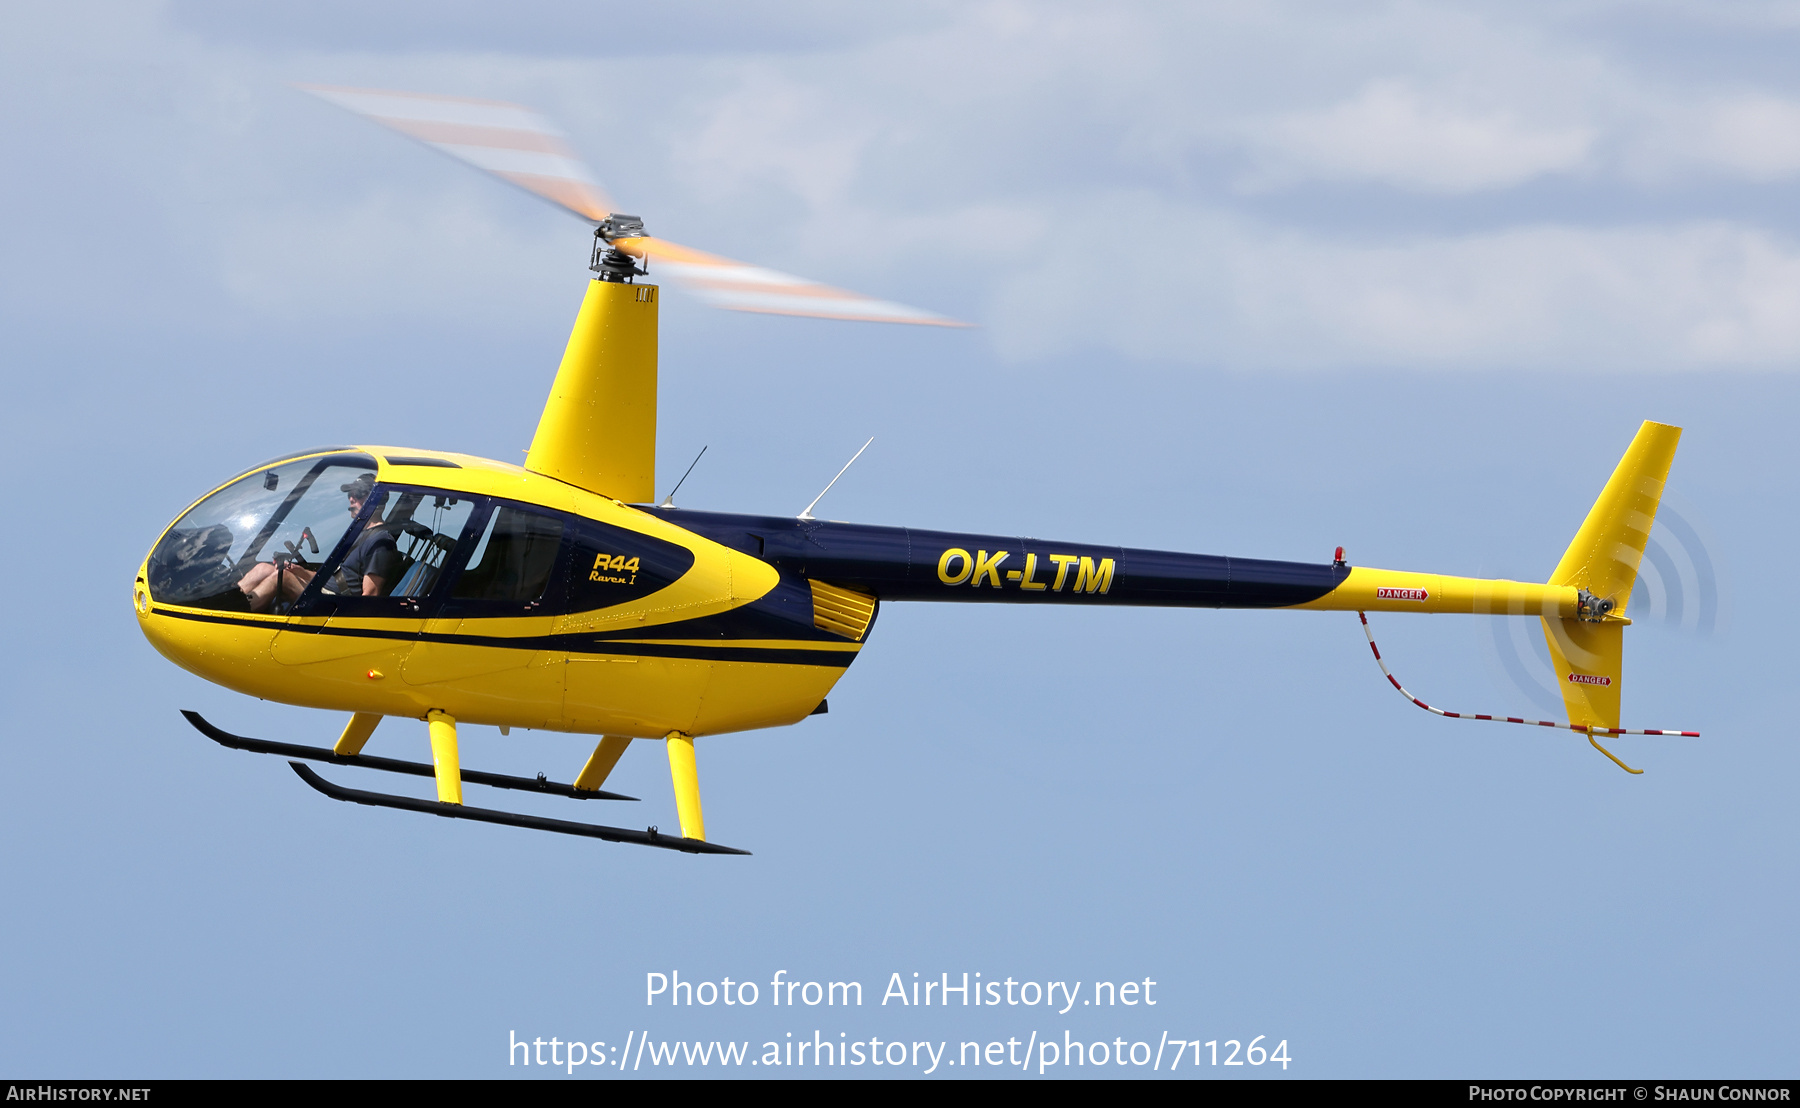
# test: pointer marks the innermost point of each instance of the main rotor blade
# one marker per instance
(511, 142)
(749, 288)
(523, 148)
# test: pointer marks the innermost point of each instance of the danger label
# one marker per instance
(1589, 679)
(1401, 594)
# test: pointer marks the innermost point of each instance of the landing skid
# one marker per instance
(391, 765)
(510, 819)
(650, 837)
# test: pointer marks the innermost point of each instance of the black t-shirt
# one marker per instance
(373, 555)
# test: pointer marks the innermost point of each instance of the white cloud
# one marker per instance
(772, 131)
(1392, 133)
(1005, 154)
(1215, 288)
(1756, 136)
(1696, 139)
(391, 256)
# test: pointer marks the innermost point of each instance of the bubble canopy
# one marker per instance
(295, 511)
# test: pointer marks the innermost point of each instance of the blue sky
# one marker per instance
(1248, 279)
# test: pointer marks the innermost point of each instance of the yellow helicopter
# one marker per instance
(397, 581)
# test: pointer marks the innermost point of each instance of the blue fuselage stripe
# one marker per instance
(565, 643)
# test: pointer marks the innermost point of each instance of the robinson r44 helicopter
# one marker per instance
(557, 596)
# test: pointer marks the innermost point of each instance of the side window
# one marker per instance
(396, 556)
(612, 565)
(426, 527)
(512, 563)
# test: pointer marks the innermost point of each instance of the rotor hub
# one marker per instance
(611, 263)
(1593, 609)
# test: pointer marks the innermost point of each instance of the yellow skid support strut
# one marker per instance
(600, 764)
(443, 756)
(687, 784)
(356, 733)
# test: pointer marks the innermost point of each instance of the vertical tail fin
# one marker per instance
(1603, 563)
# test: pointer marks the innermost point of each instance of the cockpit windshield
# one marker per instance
(231, 551)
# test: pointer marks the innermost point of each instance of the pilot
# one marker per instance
(368, 569)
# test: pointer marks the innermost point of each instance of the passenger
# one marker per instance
(368, 569)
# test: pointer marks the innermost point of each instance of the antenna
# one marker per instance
(669, 500)
(807, 514)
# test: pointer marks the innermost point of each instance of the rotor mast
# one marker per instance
(598, 430)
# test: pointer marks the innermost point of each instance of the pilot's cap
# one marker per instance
(359, 489)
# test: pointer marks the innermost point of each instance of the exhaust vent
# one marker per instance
(843, 611)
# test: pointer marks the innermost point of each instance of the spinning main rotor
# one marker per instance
(523, 148)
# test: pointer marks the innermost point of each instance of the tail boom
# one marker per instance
(1385, 590)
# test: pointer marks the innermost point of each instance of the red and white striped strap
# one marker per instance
(1581, 727)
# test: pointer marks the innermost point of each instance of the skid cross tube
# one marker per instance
(392, 765)
(510, 819)
(1583, 728)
